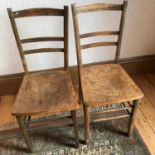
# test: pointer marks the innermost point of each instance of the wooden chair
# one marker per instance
(45, 92)
(105, 84)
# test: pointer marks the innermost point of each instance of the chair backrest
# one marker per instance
(93, 8)
(40, 12)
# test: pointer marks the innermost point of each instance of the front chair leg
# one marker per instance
(74, 118)
(28, 141)
(87, 123)
(133, 115)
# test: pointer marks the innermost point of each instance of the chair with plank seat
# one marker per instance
(104, 84)
(47, 92)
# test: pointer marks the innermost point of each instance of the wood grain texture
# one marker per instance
(66, 38)
(98, 45)
(6, 104)
(101, 33)
(38, 12)
(43, 50)
(120, 37)
(98, 7)
(46, 92)
(17, 37)
(145, 131)
(40, 39)
(107, 84)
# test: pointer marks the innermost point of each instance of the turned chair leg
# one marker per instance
(87, 123)
(75, 124)
(133, 115)
(22, 127)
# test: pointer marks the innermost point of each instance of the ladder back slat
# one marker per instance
(98, 7)
(43, 50)
(102, 33)
(38, 12)
(40, 39)
(98, 44)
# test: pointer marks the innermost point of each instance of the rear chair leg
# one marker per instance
(28, 141)
(87, 123)
(74, 118)
(132, 117)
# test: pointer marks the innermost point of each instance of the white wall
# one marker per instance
(139, 34)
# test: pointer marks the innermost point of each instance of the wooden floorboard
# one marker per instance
(145, 119)
(6, 103)
(145, 131)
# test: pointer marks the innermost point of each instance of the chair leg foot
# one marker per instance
(132, 117)
(28, 141)
(74, 118)
(87, 123)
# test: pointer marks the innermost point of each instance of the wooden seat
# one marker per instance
(105, 84)
(43, 93)
(49, 92)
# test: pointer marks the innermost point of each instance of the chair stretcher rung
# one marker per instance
(113, 110)
(110, 118)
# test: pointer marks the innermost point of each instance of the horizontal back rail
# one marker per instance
(40, 39)
(98, 7)
(43, 50)
(102, 33)
(98, 44)
(38, 12)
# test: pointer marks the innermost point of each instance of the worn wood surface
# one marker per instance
(66, 38)
(107, 84)
(48, 92)
(38, 12)
(99, 33)
(43, 50)
(120, 37)
(40, 39)
(98, 7)
(98, 44)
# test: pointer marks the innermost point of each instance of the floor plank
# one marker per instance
(147, 87)
(6, 103)
(145, 131)
(146, 105)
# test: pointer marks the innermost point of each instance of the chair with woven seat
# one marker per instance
(47, 92)
(104, 84)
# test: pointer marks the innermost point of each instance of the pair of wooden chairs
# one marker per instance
(51, 92)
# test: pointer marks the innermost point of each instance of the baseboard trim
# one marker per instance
(9, 84)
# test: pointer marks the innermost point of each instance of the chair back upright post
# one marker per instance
(78, 48)
(40, 12)
(117, 56)
(66, 38)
